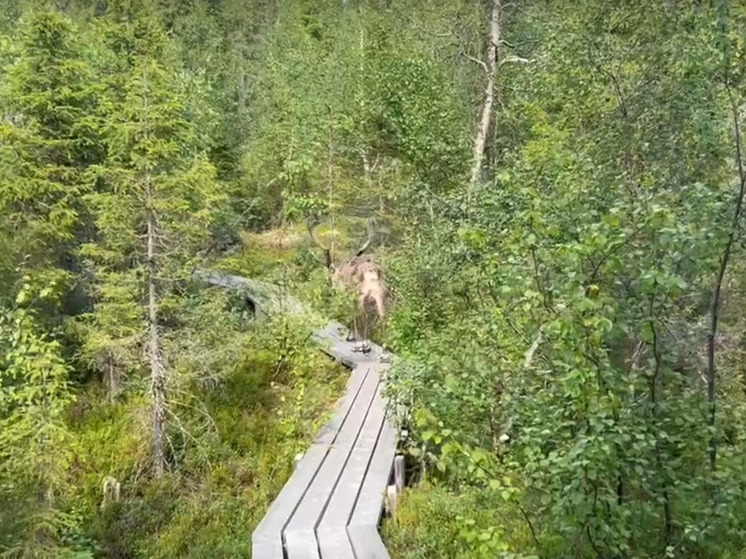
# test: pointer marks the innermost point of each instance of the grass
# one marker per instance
(233, 435)
(434, 522)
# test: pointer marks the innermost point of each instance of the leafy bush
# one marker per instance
(434, 522)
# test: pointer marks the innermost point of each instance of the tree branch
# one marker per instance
(476, 60)
(515, 59)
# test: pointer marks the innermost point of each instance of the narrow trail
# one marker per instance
(331, 506)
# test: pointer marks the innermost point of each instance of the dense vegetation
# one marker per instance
(557, 188)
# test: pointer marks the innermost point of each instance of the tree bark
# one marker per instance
(655, 407)
(330, 177)
(157, 373)
(113, 385)
(490, 69)
(724, 259)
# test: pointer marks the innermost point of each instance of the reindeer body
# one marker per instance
(364, 274)
(359, 273)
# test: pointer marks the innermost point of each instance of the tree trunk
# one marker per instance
(157, 373)
(654, 409)
(489, 94)
(717, 292)
(113, 385)
(330, 178)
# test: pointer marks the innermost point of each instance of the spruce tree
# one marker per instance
(35, 443)
(152, 213)
(48, 138)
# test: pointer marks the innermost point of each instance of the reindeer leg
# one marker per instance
(361, 316)
(351, 330)
(379, 307)
(358, 330)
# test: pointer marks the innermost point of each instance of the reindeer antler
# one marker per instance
(311, 224)
(371, 234)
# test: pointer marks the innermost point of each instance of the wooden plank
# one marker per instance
(399, 473)
(343, 407)
(336, 544)
(366, 542)
(334, 331)
(363, 528)
(370, 501)
(267, 537)
(350, 483)
(331, 533)
(329, 474)
(343, 353)
(333, 342)
(299, 535)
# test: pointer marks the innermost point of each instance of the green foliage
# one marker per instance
(419, 117)
(337, 103)
(554, 319)
(578, 292)
(35, 443)
(433, 522)
(267, 393)
(51, 136)
(154, 181)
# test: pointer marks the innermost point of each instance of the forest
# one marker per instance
(552, 191)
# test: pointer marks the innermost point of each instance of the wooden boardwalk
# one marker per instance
(331, 506)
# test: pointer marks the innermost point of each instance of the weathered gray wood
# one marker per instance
(302, 544)
(393, 499)
(350, 483)
(333, 331)
(331, 533)
(345, 404)
(267, 537)
(335, 544)
(267, 298)
(399, 472)
(332, 340)
(299, 534)
(370, 501)
(366, 542)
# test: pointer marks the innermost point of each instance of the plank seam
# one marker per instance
(321, 463)
(349, 454)
(379, 442)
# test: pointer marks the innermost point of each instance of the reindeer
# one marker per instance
(358, 272)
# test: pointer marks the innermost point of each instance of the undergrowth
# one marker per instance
(247, 397)
(433, 522)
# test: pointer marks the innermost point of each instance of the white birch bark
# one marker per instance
(490, 68)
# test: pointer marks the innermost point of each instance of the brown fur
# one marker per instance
(362, 274)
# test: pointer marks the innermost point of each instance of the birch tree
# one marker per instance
(490, 68)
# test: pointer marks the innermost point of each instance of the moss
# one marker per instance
(226, 470)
